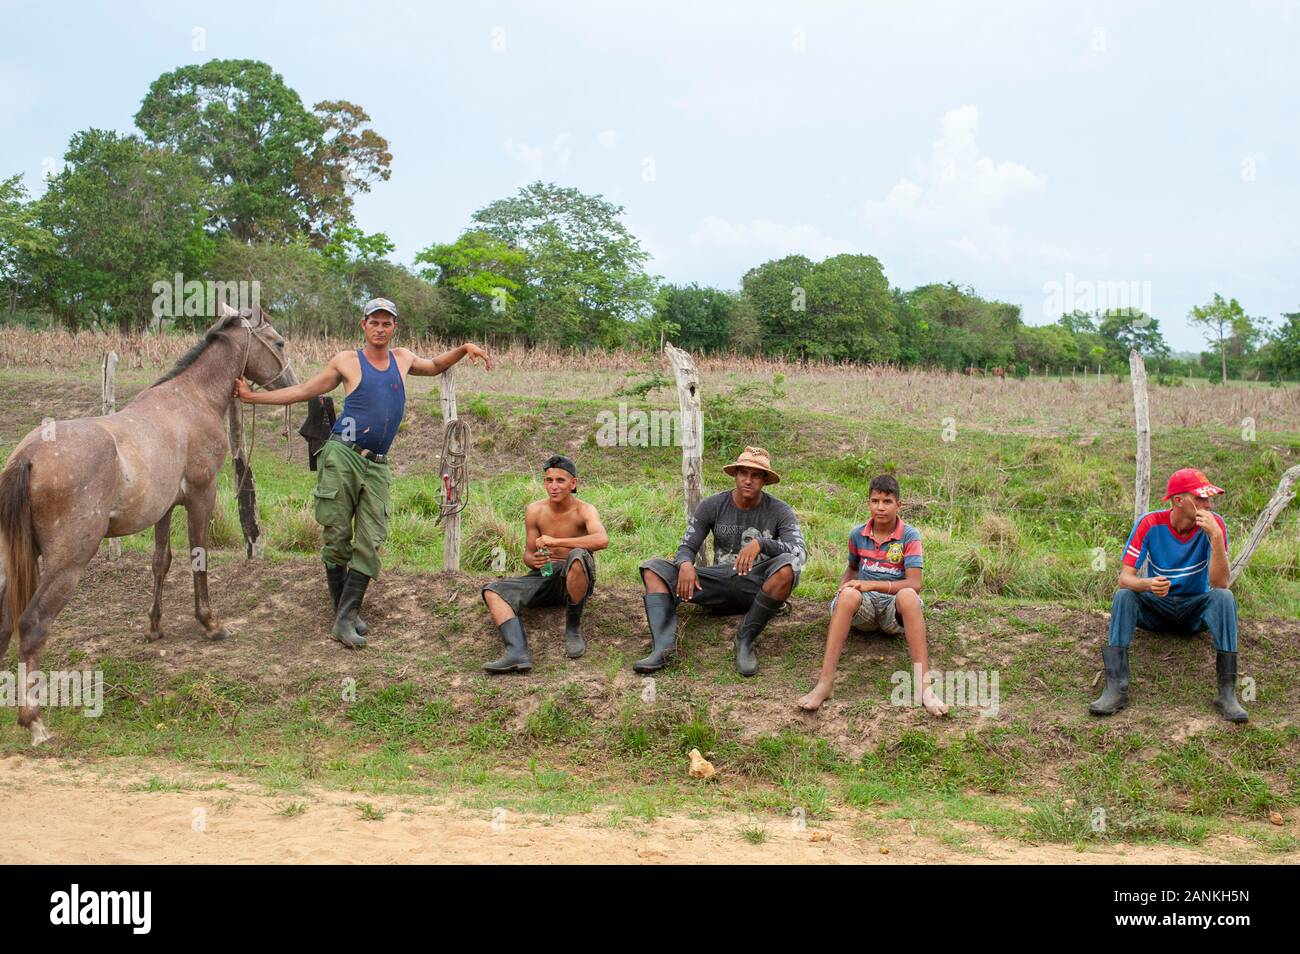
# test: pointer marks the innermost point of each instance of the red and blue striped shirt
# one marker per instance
(888, 559)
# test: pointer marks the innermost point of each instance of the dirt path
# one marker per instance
(59, 812)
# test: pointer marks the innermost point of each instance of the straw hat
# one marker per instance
(754, 458)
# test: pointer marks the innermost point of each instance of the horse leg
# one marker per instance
(55, 589)
(198, 511)
(162, 561)
(6, 624)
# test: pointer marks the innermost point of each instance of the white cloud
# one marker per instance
(529, 156)
(607, 139)
(962, 211)
(960, 188)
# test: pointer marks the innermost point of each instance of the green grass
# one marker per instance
(1011, 520)
(1005, 515)
(399, 738)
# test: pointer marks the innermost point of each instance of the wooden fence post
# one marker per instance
(108, 406)
(245, 486)
(691, 427)
(1142, 413)
(1281, 497)
(451, 531)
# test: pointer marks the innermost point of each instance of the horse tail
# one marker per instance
(22, 573)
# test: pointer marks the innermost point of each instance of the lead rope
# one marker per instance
(248, 446)
(455, 449)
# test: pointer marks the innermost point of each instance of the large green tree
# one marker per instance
(1280, 355)
(584, 279)
(695, 318)
(123, 215)
(776, 295)
(21, 239)
(482, 274)
(1221, 320)
(1127, 329)
(957, 328)
(851, 310)
(277, 168)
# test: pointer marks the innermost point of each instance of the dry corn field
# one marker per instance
(1049, 405)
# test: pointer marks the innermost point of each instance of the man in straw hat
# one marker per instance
(1184, 591)
(759, 551)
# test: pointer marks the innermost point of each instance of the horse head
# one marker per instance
(265, 361)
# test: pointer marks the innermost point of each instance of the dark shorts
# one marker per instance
(534, 590)
(722, 589)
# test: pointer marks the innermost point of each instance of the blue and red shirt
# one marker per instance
(889, 559)
(1184, 559)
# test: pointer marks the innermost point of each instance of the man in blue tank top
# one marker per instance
(352, 475)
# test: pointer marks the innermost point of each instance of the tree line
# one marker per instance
(230, 177)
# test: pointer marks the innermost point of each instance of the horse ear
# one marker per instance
(227, 311)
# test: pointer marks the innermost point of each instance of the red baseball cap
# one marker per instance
(1189, 480)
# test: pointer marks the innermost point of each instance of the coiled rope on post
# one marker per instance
(455, 487)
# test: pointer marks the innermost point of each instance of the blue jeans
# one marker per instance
(1215, 611)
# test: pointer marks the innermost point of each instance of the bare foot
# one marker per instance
(933, 704)
(813, 701)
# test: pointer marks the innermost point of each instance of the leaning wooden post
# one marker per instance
(451, 532)
(1281, 497)
(691, 428)
(245, 486)
(108, 406)
(1141, 411)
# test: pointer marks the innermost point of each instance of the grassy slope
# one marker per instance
(1011, 522)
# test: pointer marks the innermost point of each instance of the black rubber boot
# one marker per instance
(762, 610)
(516, 658)
(345, 623)
(661, 614)
(574, 644)
(1115, 696)
(335, 575)
(1225, 666)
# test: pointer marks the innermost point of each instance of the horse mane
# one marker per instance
(189, 357)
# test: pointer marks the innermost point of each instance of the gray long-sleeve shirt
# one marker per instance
(773, 523)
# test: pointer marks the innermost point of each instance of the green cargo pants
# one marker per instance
(351, 489)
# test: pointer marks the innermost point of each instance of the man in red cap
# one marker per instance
(1185, 589)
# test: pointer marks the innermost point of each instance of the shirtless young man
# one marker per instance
(561, 534)
(352, 475)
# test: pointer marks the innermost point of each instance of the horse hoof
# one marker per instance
(40, 734)
(154, 637)
(220, 634)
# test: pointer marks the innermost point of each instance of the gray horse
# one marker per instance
(71, 483)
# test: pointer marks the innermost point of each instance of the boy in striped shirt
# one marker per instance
(1185, 589)
(879, 591)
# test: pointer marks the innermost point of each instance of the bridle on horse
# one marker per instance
(284, 368)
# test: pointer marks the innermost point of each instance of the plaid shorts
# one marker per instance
(878, 612)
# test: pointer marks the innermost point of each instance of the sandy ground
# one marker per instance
(85, 813)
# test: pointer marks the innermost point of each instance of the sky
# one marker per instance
(1046, 154)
